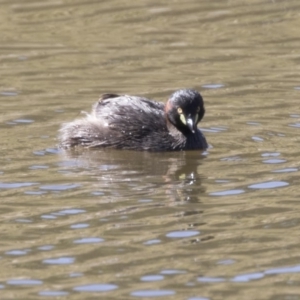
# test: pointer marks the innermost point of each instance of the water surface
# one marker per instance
(125, 225)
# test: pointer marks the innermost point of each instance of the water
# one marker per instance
(124, 225)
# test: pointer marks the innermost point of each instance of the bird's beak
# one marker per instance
(190, 124)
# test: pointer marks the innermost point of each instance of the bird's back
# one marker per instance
(126, 122)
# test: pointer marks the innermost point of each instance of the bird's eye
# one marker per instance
(198, 109)
(179, 110)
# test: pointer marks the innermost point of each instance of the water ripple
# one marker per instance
(152, 242)
(268, 185)
(71, 211)
(152, 293)
(79, 226)
(284, 270)
(252, 276)
(182, 234)
(98, 287)
(23, 121)
(59, 187)
(257, 139)
(274, 161)
(228, 192)
(91, 240)
(172, 272)
(273, 154)
(213, 86)
(210, 279)
(53, 293)
(17, 252)
(15, 185)
(152, 278)
(59, 261)
(9, 93)
(24, 282)
(247, 277)
(286, 170)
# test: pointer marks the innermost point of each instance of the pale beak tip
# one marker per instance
(190, 125)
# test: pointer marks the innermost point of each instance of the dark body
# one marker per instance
(137, 123)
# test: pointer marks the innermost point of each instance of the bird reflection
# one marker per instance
(172, 174)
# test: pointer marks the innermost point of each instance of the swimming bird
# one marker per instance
(138, 123)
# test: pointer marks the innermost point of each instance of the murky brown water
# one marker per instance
(127, 225)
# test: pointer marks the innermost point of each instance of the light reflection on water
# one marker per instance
(121, 224)
(96, 288)
(252, 276)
